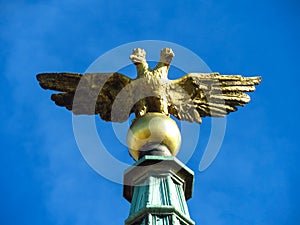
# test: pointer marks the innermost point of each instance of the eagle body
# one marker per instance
(157, 83)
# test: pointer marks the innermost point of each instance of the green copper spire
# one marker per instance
(158, 187)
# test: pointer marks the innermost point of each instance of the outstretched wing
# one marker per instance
(91, 93)
(197, 95)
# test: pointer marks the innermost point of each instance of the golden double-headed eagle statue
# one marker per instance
(115, 96)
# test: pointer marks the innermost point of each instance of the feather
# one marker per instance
(91, 93)
(211, 94)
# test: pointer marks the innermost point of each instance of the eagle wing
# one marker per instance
(197, 95)
(90, 93)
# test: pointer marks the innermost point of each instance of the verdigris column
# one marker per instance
(158, 187)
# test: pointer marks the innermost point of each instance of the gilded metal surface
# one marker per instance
(154, 128)
(189, 98)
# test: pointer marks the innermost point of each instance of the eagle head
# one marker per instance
(138, 55)
(166, 55)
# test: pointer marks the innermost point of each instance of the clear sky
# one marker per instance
(44, 178)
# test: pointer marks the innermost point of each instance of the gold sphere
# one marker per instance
(153, 128)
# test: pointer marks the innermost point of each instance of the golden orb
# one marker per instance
(153, 131)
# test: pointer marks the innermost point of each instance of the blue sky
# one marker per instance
(44, 178)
